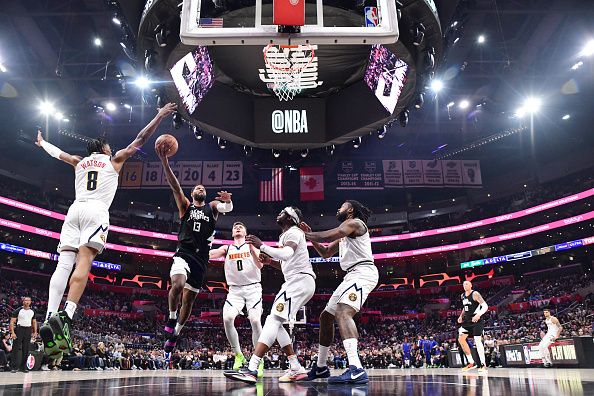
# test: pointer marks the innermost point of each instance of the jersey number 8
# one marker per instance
(92, 180)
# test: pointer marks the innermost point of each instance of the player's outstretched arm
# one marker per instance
(56, 152)
(180, 199)
(222, 203)
(143, 136)
(347, 228)
(283, 253)
(218, 252)
(324, 251)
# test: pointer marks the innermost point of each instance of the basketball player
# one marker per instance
(190, 260)
(554, 329)
(473, 308)
(243, 276)
(352, 243)
(84, 231)
(299, 287)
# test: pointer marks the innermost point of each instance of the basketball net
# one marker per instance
(285, 65)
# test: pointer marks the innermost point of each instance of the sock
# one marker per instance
(322, 356)
(70, 308)
(172, 314)
(350, 346)
(480, 348)
(254, 362)
(178, 329)
(294, 363)
(470, 359)
(59, 281)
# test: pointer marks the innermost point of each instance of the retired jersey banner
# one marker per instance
(311, 183)
(225, 174)
(377, 175)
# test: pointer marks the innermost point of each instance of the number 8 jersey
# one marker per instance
(96, 179)
(240, 269)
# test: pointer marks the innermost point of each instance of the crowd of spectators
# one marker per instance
(114, 343)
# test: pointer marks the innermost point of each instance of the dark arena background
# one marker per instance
(466, 126)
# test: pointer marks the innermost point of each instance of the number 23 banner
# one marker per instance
(227, 174)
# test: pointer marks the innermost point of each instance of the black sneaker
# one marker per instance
(50, 348)
(170, 344)
(170, 326)
(317, 372)
(60, 324)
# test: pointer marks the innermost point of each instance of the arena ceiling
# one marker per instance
(530, 46)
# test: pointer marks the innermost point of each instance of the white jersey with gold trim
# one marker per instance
(96, 179)
(240, 269)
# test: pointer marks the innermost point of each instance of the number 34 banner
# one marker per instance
(227, 174)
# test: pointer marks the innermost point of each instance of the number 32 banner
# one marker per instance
(227, 174)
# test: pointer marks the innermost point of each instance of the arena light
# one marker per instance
(357, 142)
(530, 106)
(418, 33)
(177, 120)
(46, 108)
(3, 68)
(588, 49)
(110, 106)
(65, 120)
(577, 65)
(481, 39)
(123, 45)
(450, 104)
(58, 115)
(403, 118)
(248, 150)
(566, 117)
(222, 143)
(464, 104)
(142, 82)
(126, 105)
(97, 41)
(198, 134)
(382, 132)
(330, 149)
(276, 153)
(304, 153)
(161, 35)
(116, 20)
(436, 85)
(419, 101)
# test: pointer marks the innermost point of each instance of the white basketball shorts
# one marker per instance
(248, 296)
(355, 287)
(293, 295)
(86, 224)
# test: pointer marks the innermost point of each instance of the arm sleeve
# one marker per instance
(482, 308)
(283, 253)
(225, 207)
(51, 149)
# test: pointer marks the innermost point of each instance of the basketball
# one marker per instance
(166, 145)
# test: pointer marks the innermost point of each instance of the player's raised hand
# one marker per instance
(254, 240)
(39, 138)
(224, 196)
(304, 227)
(166, 110)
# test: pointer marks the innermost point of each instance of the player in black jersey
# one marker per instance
(473, 307)
(196, 233)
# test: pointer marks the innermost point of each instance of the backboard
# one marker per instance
(250, 22)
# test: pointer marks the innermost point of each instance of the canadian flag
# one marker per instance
(312, 183)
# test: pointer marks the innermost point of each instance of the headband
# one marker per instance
(292, 214)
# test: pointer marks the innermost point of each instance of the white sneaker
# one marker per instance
(45, 368)
(293, 375)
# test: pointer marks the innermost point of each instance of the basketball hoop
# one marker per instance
(285, 65)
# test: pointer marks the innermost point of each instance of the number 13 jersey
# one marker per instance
(96, 179)
(240, 269)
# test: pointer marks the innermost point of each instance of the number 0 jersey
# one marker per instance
(240, 269)
(96, 179)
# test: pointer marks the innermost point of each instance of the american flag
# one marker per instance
(210, 22)
(271, 184)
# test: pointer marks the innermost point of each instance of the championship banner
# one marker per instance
(432, 173)
(471, 173)
(311, 183)
(452, 173)
(413, 172)
(359, 175)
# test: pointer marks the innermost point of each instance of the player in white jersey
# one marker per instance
(554, 329)
(243, 275)
(299, 287)
(352, 243)
(85, 228)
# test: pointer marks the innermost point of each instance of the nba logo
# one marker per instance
(371, 17)
(30, 362)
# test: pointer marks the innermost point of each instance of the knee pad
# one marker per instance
(66, 260)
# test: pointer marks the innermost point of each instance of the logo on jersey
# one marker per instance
(198, 214)
(280, 307)
(103, 238)
(353, 297)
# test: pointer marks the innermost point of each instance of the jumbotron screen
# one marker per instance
(385, 76)
(193, 77)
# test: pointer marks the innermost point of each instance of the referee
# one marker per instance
(26, 326)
